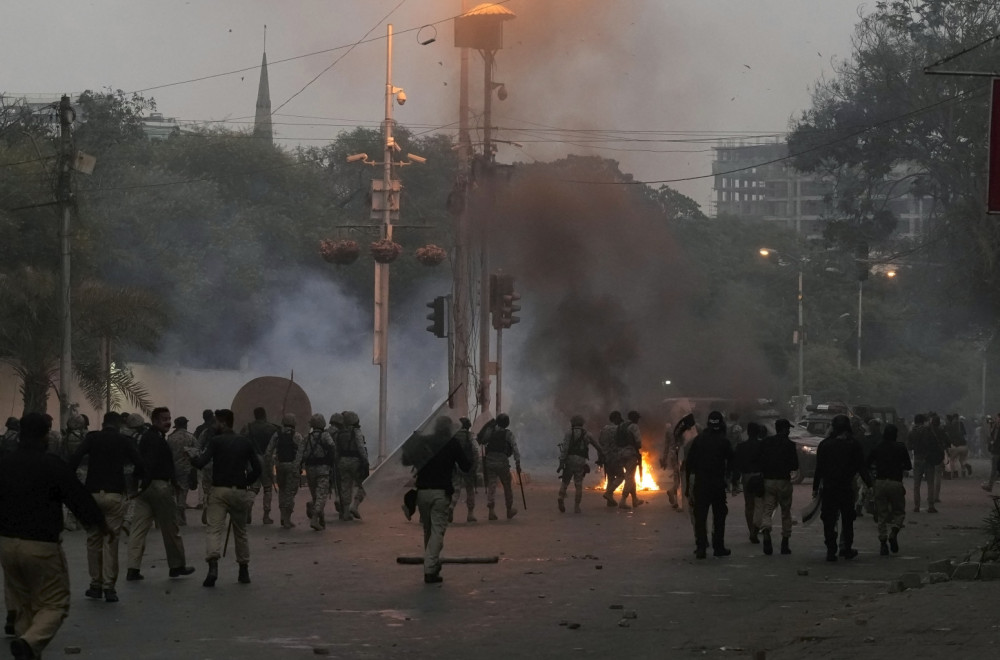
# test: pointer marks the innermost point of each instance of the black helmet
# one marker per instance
(633, 416)
(716, 422)
(840, 424)
(576, 420)
(503, 420)
(615, 417)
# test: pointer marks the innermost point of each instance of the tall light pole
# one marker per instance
(65, 194)
(800, 328)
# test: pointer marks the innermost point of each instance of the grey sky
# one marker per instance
(651, 66)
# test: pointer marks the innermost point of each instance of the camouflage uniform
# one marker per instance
(284, 451)
(466, 480)
(317, 455)
(180, 441)
(500, 446)
(134, 427)
(612, 460)
(259, 432)
(574, 451)
(352, 466)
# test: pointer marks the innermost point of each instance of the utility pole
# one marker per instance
(65, 195)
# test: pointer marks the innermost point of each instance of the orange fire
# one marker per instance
(647, 482)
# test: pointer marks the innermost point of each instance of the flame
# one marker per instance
(647, 482)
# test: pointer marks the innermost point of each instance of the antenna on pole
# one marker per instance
(265, 37)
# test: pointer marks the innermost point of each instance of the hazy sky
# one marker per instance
(660, 70)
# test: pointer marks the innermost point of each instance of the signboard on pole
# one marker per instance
(993, 200)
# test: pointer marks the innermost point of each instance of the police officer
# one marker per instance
(284, 451)
(318, 457)
(707, 470)
(889, 460)
(777, 460)
(500, 445)
(745, 463)
(574, 452)
(465, 478)
(839, 458)
(352, 466)
(259, 432)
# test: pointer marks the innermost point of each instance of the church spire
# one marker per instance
(262, 119)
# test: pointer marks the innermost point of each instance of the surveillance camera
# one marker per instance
(415, 158)
(401, 97)
(356, 157)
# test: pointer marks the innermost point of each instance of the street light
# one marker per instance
(889, 272)
(799, 330)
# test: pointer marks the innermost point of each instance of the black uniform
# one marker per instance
(709, 461)
(839, 458)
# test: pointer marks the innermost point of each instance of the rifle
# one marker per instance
(521, 484)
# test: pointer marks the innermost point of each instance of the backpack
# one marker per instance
(578, 443)
(498, 443)
(623, 438)
(285, 448)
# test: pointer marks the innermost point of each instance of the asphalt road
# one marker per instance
(566, 585)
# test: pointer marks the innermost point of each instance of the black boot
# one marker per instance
(768, 547)
(213, 573)
(893, 541)
(244, 577)
(883, 548)
(785, 550)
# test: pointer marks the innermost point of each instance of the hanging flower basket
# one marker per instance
(431, 255)
(385, 251)
(342, 253)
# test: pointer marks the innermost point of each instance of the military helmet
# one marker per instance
(503, 420)
(351, 418)
(633, 416)
(576, 420)
(443, 424)
(75, 422)
(337, 419)
(288, 419)
(134, 421)
(317, 421)
(13, 423)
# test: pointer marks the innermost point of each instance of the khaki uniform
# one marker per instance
(317, 456)
(352, 470)
(180, 440)
(284, 451)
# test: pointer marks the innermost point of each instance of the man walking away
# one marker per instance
(352, 466)
(500, 446)
(434, 490)
(284, 451)
(155, 500)
(839, 458)
(889, 460)
(574, 452)
(921, 442)
(181, 442)
(745, 463)
(629, 446)
(259, 432)
(613, 467)
(465, 478)
(108, 452)
(318, 457)
(235, 466)
(778, 459)
(707, 469)
(34, 487)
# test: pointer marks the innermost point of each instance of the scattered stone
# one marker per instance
(869, 640)
(573, 626)
(911, 580)
(617, 607)
(941, 566)
(72, 650)
(989, 571)
(321, 650)
(599, 566)
(967, 570)
(896, 586)
(937, 578)
(564, 622)
(630, 614)
(623, 623)
(803, 572)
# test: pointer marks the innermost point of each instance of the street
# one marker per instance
(601, 583)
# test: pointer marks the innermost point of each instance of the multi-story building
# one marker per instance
(758, 181)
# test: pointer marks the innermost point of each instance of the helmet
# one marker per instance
(337, 419)
(615, 417)
(134, 421)
(633, 416)
(351, 418)
(13, 423)
(716, 422)
(317, 421)
(503, 420)
(288, 419)
(576, 420)
(442, 425)
(75, 422)
(840, 424)
(465, 422)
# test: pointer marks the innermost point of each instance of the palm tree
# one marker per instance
(30, 338)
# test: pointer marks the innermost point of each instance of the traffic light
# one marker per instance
(438, 317)
(508, 306)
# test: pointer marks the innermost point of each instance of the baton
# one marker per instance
(521, 484)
